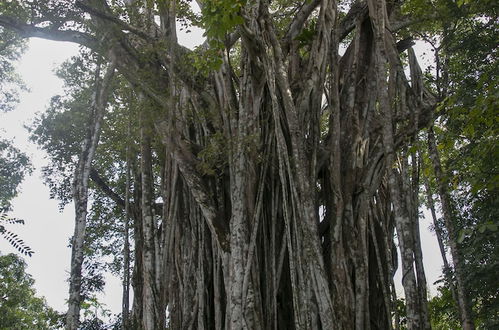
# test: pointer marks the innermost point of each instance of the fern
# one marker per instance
(6, 219)
(12, 237)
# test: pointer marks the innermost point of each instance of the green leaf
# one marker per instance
(492, 227)
(461, 237)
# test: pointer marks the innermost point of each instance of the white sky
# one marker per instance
(47, 231)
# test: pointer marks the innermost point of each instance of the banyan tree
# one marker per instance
(267, 171)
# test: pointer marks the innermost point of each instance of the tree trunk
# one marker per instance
(416, 318)
(462, 293)
(80, 193)
(151, 315)
(278, 198)
(125, 308)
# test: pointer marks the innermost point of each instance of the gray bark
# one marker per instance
(416, 318)
(80, 193)
(279, 196)
(462, 293)
(437, 227)
(125, 308)
(151, 317)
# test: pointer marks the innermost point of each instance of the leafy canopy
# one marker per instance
(20, 308)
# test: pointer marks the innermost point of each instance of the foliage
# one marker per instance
(468, 134)
(14, 166)
(221, 16)
(20, 308)
(213, 155)
(52, 132)
(97, 317)
(400, 309)
(443, 310)
(11, 49)
(479, 218)
(12, 237)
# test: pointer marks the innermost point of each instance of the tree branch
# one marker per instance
(26, 31)
(296, 25)
(124, 26)
(347, 24)
(104, 187)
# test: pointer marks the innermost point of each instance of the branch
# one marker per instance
(128, 64)
(26, 31)
(405, 44)
(104, 187)
(347, 24)
(359, 9)
(113, 19)
(296, 25)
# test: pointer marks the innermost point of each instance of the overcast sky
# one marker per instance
(47, 230)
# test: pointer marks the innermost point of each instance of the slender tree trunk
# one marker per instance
(80, 194)
(151, 319)
(440, 239)
(462, 293)
(412, 188)
(437, 226)
(412, 191)
(138, 238)
(415, 316)
(126, 246)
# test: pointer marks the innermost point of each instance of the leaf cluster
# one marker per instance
(213, 155)
(11, 49)
(61, 129)
(221, 17)
(14, 166)
(19, 306)
(443, 310)
(12, 237)
(468, 135)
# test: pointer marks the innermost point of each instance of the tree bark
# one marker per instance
(415, 315)
(151, 317)
(462, 293)
(438, 227)
(279, 196)
(125, 308)
(80, 193)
